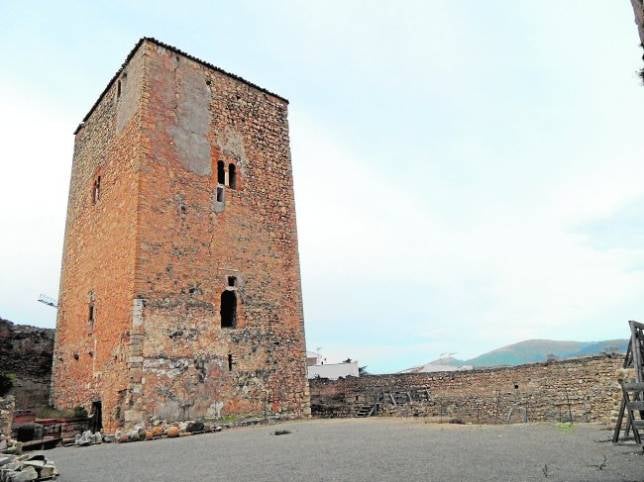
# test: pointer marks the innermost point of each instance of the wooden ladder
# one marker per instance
(632, 405)
(366, 411)
(634, 358)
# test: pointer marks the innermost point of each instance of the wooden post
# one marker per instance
(620, 417)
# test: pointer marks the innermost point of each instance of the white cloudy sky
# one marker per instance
(468, 174)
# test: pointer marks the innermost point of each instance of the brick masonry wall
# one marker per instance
(583, 389)
(157, 249)
(90, 361)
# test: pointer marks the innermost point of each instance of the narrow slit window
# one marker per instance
(91, 313)
(118, 89)
(228, 309)
(96, 191)
(232, 176)
(230, 362)
(221, 173)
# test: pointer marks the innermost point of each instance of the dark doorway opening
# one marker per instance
(228, 309)
(96, 418)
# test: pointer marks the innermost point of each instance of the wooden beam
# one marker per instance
(633, 387)
(618, 424)
(636, 405)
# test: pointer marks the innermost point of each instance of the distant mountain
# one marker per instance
(528, 351)
(446, 364)
(610, 346)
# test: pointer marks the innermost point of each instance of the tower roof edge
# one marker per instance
(177, 51)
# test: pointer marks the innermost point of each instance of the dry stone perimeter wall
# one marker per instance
(584, 389)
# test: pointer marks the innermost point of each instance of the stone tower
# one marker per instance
(180, 288)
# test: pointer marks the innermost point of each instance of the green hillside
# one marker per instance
(531, 351)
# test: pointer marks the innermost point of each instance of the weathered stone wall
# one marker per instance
(190, 243)
(7, 407)
(26, 353)
(584, 389)
(155, 253)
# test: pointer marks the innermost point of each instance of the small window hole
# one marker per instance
(230, 362)
(221, 174)
(232, 281)
(220, 194)
(96, 191)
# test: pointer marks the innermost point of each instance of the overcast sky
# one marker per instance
(468, 174)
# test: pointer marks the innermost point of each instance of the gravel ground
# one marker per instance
(371, 449)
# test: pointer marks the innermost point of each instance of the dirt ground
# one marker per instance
(372, 449)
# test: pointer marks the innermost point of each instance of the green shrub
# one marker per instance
(6, 383)
(80, 412)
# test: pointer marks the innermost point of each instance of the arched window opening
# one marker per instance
(228, 310)
(232, 176)
(221, 173)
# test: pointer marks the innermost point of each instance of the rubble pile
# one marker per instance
(88, 438)
(24, 468)
(139, 433)
(9, 446)
(162, 430)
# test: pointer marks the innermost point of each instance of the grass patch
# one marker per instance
(565, 426)
(229, 418)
